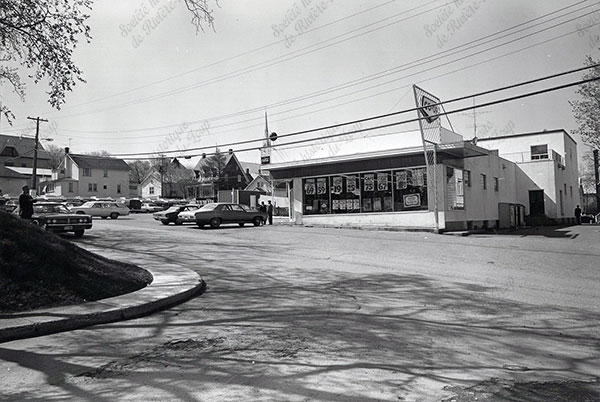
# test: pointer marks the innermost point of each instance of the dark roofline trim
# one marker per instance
(527, 134)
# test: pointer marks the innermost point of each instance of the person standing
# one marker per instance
(578, 215)
(26, 204)
(270, 212)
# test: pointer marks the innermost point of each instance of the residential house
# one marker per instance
(89, 176)
(16, 163)
(167, 181)
(217, 182)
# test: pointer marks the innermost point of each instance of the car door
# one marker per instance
(227, 214)
(97, 209)
(240, 214)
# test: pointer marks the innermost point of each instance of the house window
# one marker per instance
(62, 171)
(87, 172)
(90, 187)
(151, 190)
(104, 187)
(239, 178)
(467, 178)
(496, 184)
(571, 189)
(483, 181)
(105, 173)
(118, 189)
(95, 187)
(70, 187)
(539, 152)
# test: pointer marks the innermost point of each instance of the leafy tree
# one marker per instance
(40, 36)
(586, 173)
(587, 109)
(138, 170)
(56, 155)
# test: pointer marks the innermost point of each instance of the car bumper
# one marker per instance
(68, 228)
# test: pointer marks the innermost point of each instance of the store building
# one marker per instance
(365, 182)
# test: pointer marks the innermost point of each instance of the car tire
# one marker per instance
(79, 233)
(215, 223)
(241, 224)
(164, 222)
(178, 222)
(257, 221)
(114, 215)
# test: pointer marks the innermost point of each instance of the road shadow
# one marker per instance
(567, 232)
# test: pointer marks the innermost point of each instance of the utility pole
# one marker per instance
(597, 179)
(35, 151)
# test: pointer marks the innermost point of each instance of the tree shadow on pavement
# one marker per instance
(272, 329)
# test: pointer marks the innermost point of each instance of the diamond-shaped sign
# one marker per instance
(429, 109)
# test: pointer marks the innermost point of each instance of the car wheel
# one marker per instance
(114, 215)
(241, 224)
(79, 233)
(165, 222)
(257, 221)
(178, 222)
(215, 223)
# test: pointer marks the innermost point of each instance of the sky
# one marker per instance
(153, 84)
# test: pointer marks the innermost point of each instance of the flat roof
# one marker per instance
(558, 130)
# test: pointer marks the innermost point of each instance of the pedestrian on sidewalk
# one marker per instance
(578, 215)
(270, 212)
(26, 204)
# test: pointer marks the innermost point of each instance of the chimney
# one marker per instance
(66, 150)
(247, 170)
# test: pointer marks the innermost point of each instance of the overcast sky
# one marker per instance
(154, 84)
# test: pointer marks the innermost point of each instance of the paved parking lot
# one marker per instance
(310, 314)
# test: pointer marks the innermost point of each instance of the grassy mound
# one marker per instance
(40, 269)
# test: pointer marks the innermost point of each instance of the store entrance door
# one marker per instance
(536, 203)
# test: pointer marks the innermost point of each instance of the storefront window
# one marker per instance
(345, 194)
(376, 192)
(316, 196)
(410, 189)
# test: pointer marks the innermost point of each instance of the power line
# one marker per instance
(397, 69)
(487, 104)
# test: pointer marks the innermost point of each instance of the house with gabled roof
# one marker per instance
(16, 163)
(225, 174)
(169, 180)
(89, 176)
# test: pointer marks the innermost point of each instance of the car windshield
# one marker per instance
(50, 208)
(208, 207)
(172, 209)
(88, 204)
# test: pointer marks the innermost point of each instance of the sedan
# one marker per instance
(215, 214)
(103, 209)
(150, 207)
(56, 217)
(171, 214)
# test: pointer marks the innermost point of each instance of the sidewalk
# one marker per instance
(172, 284)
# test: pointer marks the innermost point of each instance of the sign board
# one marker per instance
(412, 200)
(264, 160)
(430, 109)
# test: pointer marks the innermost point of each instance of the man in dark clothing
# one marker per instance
(26, 204)
(578, 215)
(270, 212)
(262, 207)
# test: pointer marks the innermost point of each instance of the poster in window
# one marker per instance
(336, 188)
(369, 182)
(324, 207)
(387, 204)
(351, 184)
(356, 205)
(401, 181)
(367, 205)
(350, 205)
(309, 187)
(382, 181)
(322, 185)
(418, 177)
(335, 204)
(377, 205)
(412, 200)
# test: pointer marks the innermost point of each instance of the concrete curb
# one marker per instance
(172, 285)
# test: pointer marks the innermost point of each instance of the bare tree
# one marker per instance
(103, 153)
(138, 170)
(56, 155)
(586, 110)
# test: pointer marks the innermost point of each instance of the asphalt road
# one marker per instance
(313, 314)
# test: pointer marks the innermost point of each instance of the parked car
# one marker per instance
(150, 207)
(171, 214)
(56, 217)
(215, 214)
(103, 209)
(588, 218)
